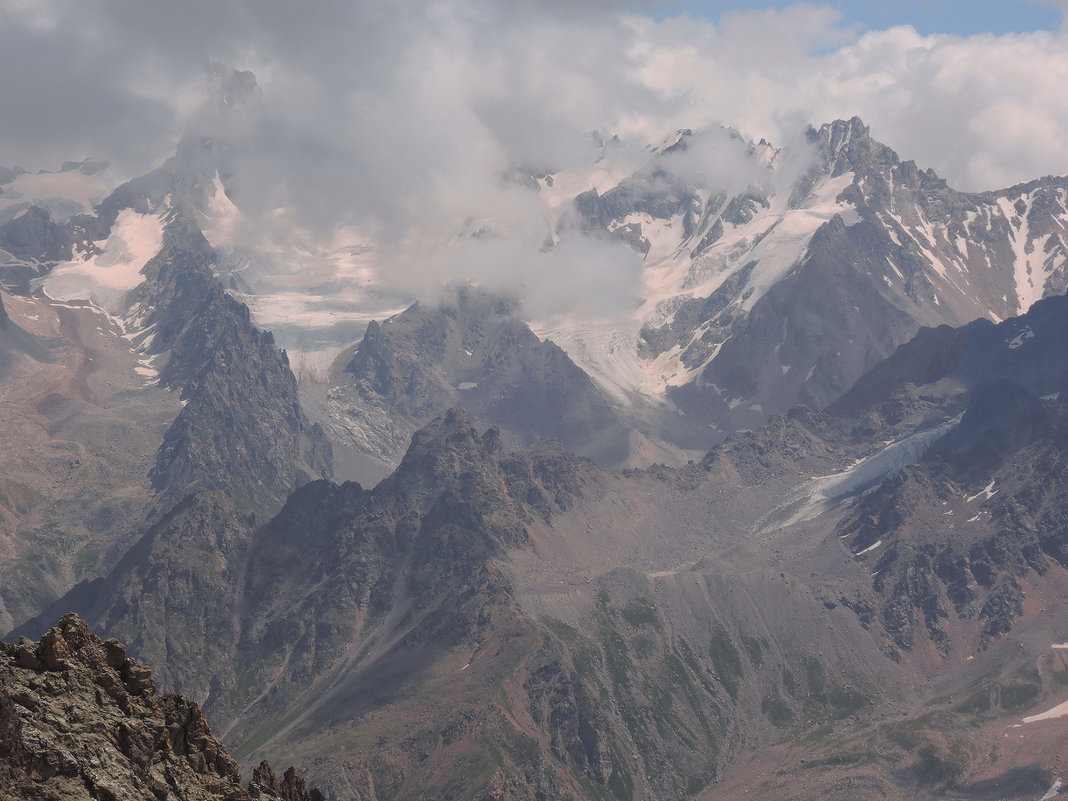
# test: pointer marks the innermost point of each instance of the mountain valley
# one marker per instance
(793, 524)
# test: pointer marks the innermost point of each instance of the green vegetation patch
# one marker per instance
(938, 766)
(699, 781)
(789, 682)
(681, 679)
(1009, 696)
(644, 646)
(755, 649)
(910, 733)
(842, 760)
(478, 772)
(641, 612)
(840, 700)
(815, 678)
(1014, 696)
(727, 661)
(616, 656)
(49, 537)
(695, 665)
(975, 704)
(587, 660)
(777, 711)
(567, 634)
(621, 783)
(668, 724)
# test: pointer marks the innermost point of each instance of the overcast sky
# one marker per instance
(387, 111)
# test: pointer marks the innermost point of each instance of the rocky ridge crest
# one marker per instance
(81, 720)
(241, 429)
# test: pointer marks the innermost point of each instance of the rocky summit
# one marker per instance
(471, 350)
(81, 720)
(241, 428)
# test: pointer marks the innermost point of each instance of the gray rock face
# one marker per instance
(171, 596)
(958, 530)
(16, 343)
(473, 351)
(954, 536)
(33, 235)
(944, 365)
(241, 429)
(9, 174)
(807, 340)
(858, 292)
(33, 242)
(97, 452)
(523, 625)
(186, 181)
(89, 430)
(80, 720)
(30, 245)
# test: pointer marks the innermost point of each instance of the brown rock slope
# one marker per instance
(80, 428)
(797, 615)
(81, 720)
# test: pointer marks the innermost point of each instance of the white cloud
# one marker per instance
(455, 85)
(983, 111)
(399, 118)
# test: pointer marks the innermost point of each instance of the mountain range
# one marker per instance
(793, 524)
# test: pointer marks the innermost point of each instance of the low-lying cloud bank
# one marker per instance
(398, 120)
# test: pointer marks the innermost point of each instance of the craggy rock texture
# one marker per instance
(241, 429)
(474, 351)
(902, 250)
(81, 720)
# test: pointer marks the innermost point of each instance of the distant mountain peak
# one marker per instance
(839, 133)
(446, 449)
(89, 166)
(847, 146)
(232, 87)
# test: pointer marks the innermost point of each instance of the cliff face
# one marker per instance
(35, 243)
(15, 343)
(474, 351)
(81, 720)
(241, 429)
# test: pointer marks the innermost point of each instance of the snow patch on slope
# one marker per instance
(223, 218)
(781, 250)
(1053, 791)
(1058, 711)
(607, 351)
(870, 548)
(106, 278)
(815, 496)
(775, 238)
(1030, 271)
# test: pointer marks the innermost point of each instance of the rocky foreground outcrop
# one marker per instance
(81, 720)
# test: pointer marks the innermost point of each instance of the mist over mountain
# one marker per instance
(539, 401)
